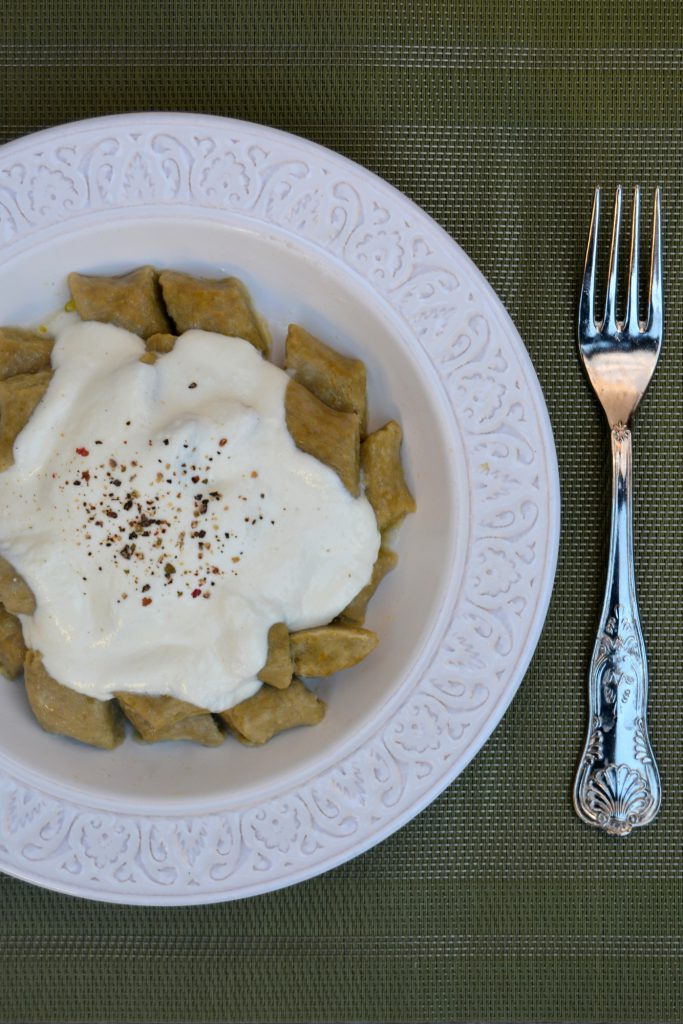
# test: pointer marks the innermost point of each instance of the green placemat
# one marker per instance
(495, 904)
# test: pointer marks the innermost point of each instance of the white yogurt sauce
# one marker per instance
(164, 518)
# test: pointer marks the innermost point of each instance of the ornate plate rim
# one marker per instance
(159, 859)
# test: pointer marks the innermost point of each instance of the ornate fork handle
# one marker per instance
(617, 785)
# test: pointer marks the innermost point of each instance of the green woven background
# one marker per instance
(495, 904)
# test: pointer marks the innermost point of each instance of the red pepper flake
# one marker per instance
(223, 441)
(196, 593)
(146, 601)
(85, 475)
(82, 451)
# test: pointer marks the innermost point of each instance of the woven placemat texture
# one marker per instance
(495, 904)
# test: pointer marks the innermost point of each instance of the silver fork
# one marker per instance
(617, 784)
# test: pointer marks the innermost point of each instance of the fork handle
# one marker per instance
(617, 784)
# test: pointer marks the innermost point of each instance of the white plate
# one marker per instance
(324, 242)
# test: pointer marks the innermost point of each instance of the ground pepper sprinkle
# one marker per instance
(138, 531)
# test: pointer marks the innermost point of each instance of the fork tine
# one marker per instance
(587, 327)
(655, 313)
(632, 321)
(609, 320)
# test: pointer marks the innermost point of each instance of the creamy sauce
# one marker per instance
(164, 518)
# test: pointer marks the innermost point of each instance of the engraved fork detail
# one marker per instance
(617, 785)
